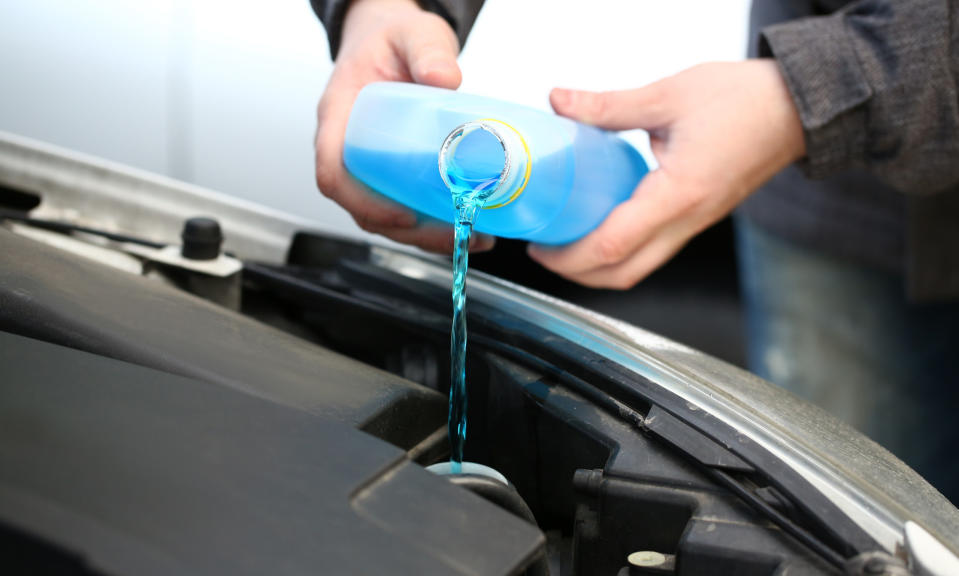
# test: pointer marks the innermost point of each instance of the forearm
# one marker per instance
(875, 86)
(460, 14)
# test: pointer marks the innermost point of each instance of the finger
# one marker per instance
(644, 262)
(331, 176)
(430, 52)
(623, 232)
(646, 107)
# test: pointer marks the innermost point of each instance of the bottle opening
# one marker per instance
(474, 161)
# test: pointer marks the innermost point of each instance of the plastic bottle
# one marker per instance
(548, 179)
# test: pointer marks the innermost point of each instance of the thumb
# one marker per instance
(645, 108)
(431, 57)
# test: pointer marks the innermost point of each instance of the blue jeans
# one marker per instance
(845, 338)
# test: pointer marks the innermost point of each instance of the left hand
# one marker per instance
(393, 40)
(718, 130)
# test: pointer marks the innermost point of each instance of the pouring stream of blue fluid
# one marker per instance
(471, 183)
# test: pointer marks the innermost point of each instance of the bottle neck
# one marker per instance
(484, 162)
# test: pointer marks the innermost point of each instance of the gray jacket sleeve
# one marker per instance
(875, 85)
(459, 13)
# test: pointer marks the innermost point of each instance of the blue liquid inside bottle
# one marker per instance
(566, 176)
(475, 167)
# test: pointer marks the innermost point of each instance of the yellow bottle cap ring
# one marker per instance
(529, 165)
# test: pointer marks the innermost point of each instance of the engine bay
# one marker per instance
(616, 477)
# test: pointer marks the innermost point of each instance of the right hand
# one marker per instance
(384, 40)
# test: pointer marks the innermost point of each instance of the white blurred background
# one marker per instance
(222, 93)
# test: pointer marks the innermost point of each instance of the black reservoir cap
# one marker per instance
(201, 239)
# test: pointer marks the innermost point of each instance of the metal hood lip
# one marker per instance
(870, 485)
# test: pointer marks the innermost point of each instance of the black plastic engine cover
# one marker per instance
(128, 470)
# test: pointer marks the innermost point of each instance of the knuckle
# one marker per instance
(326, 179)
(610, 250)
(597, 106)
(386, 67)
(685, 202)
(365, 225)
(363, 216)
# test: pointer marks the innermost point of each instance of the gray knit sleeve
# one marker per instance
(459, 13)
(875, 85)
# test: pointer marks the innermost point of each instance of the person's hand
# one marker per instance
(719, 131)
(384, 40)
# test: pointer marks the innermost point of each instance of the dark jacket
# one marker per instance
(875, 82)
